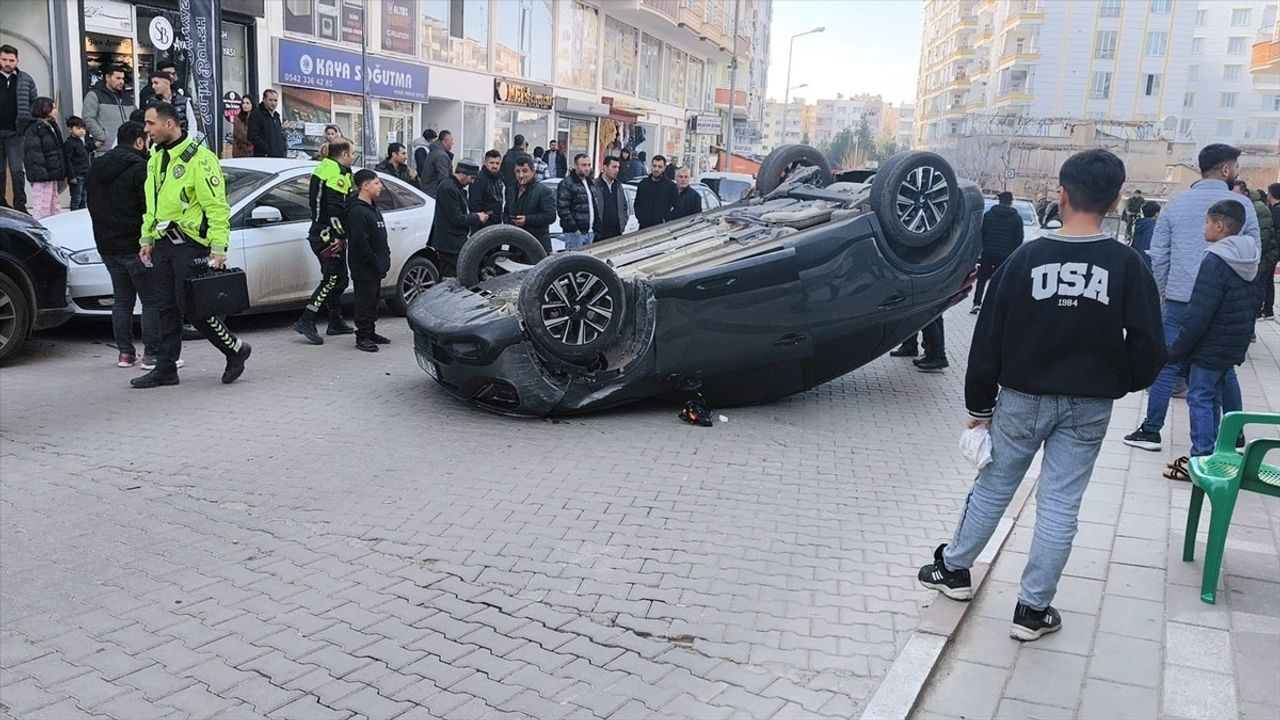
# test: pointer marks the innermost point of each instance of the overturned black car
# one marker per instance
(744, 304)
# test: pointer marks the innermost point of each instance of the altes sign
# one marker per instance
(326, 68)
(530, 96)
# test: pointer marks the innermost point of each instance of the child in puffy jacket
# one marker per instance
(43, 156)
(77, 160)
(1218, 323)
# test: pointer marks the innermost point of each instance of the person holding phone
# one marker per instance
(530, 204)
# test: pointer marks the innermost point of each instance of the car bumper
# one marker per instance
(90, 289)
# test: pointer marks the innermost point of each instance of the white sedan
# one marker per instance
(270, 216)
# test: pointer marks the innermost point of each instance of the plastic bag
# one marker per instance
(975, 445)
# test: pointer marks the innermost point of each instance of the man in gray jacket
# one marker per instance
(17, 93)
(439, 164)
(1177, 247)
(106, 108)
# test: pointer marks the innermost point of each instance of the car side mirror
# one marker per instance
(265, 215)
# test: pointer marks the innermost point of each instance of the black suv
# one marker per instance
(33, 281)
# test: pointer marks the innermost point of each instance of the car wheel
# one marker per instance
(416, 277)
(916, 198)
(787, 159)
(15, 317)
(572, 306)
(478, 260)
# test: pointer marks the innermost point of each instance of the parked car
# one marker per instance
(33, 281)
(743, 304)
(730, 187)
(709, 202)
(270, 216)
(1030, 225)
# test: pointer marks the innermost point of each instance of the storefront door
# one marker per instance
(395, 124)
(577, 135)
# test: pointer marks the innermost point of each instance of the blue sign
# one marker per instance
(326, 68)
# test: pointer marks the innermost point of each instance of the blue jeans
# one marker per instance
(131, 280)
(1207, 398)
(1162, 389)
(1071, 430)
(79, 194)
(576, 240)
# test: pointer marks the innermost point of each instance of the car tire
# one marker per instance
(916, 198)
(782, 161)
(15, 317)
(416, 277)
(562, 301)
(476, 261)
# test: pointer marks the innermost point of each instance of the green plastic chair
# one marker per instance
(1222, 476)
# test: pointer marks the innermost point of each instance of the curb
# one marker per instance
(901, 687)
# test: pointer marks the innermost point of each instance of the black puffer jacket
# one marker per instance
(1218, 323)
(1001, 233)
(487, 194)
(572, 198)
(117, 199)
(42, 152)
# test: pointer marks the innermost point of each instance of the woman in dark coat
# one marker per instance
(44, 159)
(626, 168)
(240, 145)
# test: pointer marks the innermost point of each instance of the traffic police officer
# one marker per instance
(331, 189)
(187, 220)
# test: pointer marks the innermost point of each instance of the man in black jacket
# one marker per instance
(453, 222)
(1072, 323)
(557, 164)
(439, 164)
(509, 160)
(688, 201)
(613, 201)
(578, 205)
(655, 195)
(488, 192)
(266, 133)
(369, 257)
(1001, 235)
(117, 201)
(530, 204)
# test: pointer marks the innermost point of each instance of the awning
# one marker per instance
(623, 113)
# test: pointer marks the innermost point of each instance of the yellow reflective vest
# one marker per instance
(185, 186)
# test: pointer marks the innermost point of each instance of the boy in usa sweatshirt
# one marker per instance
(1072, 322)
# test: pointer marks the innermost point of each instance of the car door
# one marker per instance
(279, 265)
(709, 199)
(408, 220)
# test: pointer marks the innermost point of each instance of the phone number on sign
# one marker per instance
(306, 80)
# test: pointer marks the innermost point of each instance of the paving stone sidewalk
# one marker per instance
(1136, 642)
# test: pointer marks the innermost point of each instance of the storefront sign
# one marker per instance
(161, 32)
(327, 68)
(352, 22)
(582, 107)
(201, 22)
(539, 97)
(313, 129)
(231, 104)
(108, 16)
(399, 25)
(707, 125)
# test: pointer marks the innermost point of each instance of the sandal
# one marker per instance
(1177, 469)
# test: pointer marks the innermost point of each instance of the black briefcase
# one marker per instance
(217, 293)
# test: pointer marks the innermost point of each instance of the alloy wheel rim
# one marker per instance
(416, 281)
(577, 308)
(922, 199)
(8, 319)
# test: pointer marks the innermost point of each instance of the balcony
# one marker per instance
(1023, 16)
(959, 82)
(690, 16)
(668, 8)
(1016, 94)
(1266, 51)
(984, 36)
(1013, 58)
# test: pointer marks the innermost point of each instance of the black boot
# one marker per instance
(235, 363)
(379, 339)
(366, 344)
(156, 378)
(338, 326)
(306, 326)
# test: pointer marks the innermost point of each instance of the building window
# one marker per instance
(1235, 46)
(1110, 8)
(677, 76)
(621, 53)
(1225, 127)
(696, 72)
(474, 137)
(1161, 7)
(1271, 102)
(1193, 73)
(1231, 72)
(1188, 100)
(1156, 43)
(1151, 84)
(519, 46)
(1104, 44)
(1184, 127)
(1100, 88)
(578, 49)
(1240, 17)
(456, 32)
(1197, 46)
(1268, 16)
(650, 67)
(1202, 18)
(1227, 100)
(1268, 129)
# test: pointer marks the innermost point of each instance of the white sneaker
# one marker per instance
(149, 363)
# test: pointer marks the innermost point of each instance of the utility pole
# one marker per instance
(733, 88)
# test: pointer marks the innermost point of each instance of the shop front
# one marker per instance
(521, 109)
(323, 85)
(577, 127)
(702, 131)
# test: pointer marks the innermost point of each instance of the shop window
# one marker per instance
(331, 20)
(456, 32)
(650, 67)
(578, 46)
(509, 122)
(621, 47)
(474, 120)
(521, 47)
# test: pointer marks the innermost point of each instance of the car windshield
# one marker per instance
(241, 182)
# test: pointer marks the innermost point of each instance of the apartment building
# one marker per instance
(800, 121)
(1175, 69)
(832, 116)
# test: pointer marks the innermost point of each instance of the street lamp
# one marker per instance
(786, 100)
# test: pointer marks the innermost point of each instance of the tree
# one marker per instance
(840, 148)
